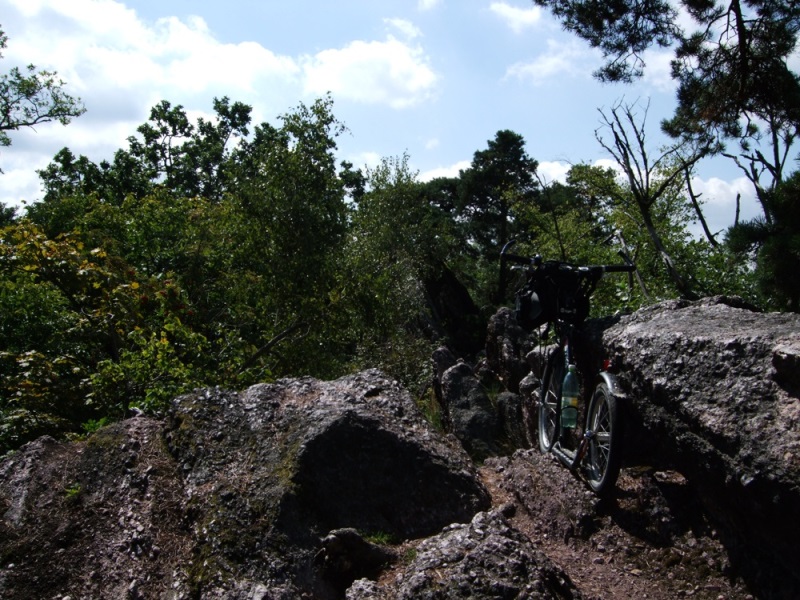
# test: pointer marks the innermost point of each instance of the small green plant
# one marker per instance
(93, 425)
(409, 555)
(89, 427)
(72, 493)
(429, 406)
(493, 390)
(381, 537)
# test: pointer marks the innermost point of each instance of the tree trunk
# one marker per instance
(680, 283)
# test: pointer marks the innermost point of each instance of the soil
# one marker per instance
(649, 539)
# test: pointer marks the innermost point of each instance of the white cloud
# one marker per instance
(103, 45)
(449, 171)
(518, 19)
(431, 144)
(793, 61)
(428, 4)
(718, 198)
(658, 70)
(121, 65)
(550, 171)
(571, 59)
(390, 72)
(405, 27)
(370, 160)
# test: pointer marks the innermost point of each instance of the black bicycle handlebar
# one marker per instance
(515, 258)
(619, 268)
(536, 261)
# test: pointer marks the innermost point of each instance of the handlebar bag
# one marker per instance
(546, 299)
(528, 310)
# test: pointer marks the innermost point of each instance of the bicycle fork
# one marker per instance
(572, 459)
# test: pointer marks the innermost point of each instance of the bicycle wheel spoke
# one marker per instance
(550, 402)
(603, 456)
(602, 438)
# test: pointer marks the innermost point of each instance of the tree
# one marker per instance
(286, 221)
(491, 194)
(396, 242)
(189, 160)
(7, 214)
(776, 244)
(621, 29)
(649, 177)
(29, 97)
(85, 335)
(734, 79)
(498, 179)
(170, 151)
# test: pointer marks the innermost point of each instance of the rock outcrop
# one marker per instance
(714, 392)
(485, 558)
(269, 493)
(341, 489)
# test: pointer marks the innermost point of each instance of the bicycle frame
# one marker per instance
(568, 288)
(571, 459)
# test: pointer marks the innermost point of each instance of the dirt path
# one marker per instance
(650, 540)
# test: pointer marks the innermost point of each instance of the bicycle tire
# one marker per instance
(604, 454)
(550, 401)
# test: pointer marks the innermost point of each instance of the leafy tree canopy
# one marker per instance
(29, 97)
(734, 77)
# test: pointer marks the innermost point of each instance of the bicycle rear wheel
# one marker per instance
(604, 455)
(550, 401)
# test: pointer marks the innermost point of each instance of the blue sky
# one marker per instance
(432, 78)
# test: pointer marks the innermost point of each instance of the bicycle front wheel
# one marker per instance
(550, 401)
(604, 455)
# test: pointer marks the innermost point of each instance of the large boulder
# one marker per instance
(713, 391)
(272, 492)
(280, 465)
(485, 419)
(98, 519)
(484, 559)
(482, 405)
(472, 417)
(507, 345)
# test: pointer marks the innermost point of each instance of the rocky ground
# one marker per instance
(649, 540)
(235, 494)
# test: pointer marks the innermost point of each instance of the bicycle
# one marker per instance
(557, 294)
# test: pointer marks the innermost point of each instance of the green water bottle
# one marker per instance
(570, 390)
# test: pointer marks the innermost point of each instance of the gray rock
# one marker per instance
(507, 345)
(483, 559)
(713, 391)
(473, 418)
(238, 501)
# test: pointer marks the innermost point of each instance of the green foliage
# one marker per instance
(595, 217)
(72, 493)
(29, 97)
(775, 245)
(622, 30)
(500, 180)
(381, 537)
(396, 241)
(170, 153)
(7, 214)
(189, 261)
(732, 65)
(92, 425)
(69, 311)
